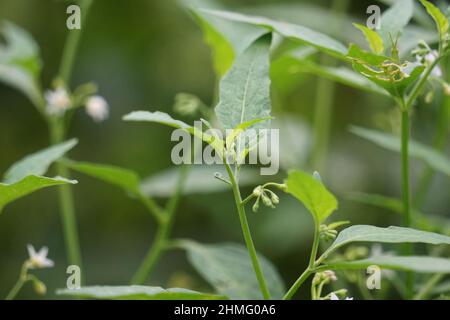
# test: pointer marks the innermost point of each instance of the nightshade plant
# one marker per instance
(243, 67)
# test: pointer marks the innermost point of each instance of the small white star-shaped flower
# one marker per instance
(39, 259)
(97, 108)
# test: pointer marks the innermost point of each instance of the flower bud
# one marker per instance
(39, 287)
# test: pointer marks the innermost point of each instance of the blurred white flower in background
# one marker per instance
(58, 101)
(97, 108)
(39, 259)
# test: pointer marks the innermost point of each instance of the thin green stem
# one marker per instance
(66, 202)
(57, 134)
(163, 232)
(311, 265)
(247, 235)
(72, 43)
(428, 286)
(20, 282)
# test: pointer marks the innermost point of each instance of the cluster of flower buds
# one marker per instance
(355, 253)
(60, 100)
(266, 196)
(187, 104)
(324, 277)
(329, 232)
(426, 56)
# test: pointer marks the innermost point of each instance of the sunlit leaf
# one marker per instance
(372, 37)
(137, 293)
(439, 18)
(37, 163)
(29, 184)
(313, 194)
(228, 269)
(245, 89)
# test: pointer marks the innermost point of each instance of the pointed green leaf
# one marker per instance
(313, 194)
(227, 39)
(29, 184)
(228, 268)
(120, 177)
(439, 18)
(157, 116)
(38, 163)
(137, 293)
(289, 30)
(372, 37)
(245, 89)
(417, 150)
(410, 263)
(20, 64)
(366, 233)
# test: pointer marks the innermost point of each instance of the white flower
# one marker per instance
(330, 275)
(39, 259)
(58, 101)
(97, 108)
(333, 296)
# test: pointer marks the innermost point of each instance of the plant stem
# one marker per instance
(20, 282)
(311, 265)
(57, 135)
(247, 234)
(66, 202)
(163, 232)
(407, 219)
(323, 109)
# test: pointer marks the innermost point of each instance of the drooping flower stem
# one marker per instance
(20, 282)
(247, 234)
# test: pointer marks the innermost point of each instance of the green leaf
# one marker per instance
(289, 30)
(120, 177)
(439, 18)
(164, 118)
(228, 268)
(245, 89)
(158, 117)
(38, 163)
(20, 64)
(138, 293)
(313, 194)
(29, 184)
(389, 75)
(366, 233)
(395, 19)
(409, 263)
(417, 150)
(372, 37)
(200, 179)
(342, 75)
(226, 39)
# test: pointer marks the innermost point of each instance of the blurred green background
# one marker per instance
(141, 53)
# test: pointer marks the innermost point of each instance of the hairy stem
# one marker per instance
(247, 235)
(165, 223)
